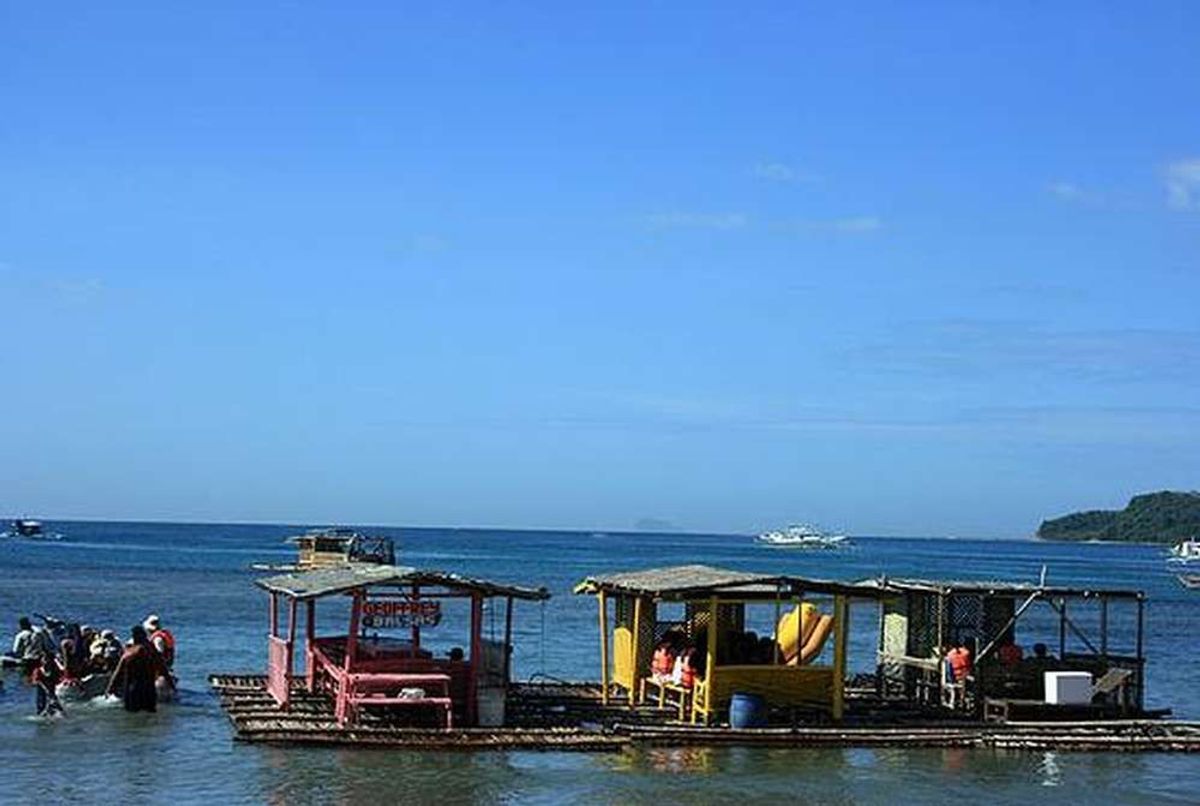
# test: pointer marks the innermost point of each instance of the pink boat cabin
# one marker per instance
(400, 655)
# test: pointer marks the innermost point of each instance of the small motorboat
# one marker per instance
(29, 529)
(1186, 551)
(1191, 581)
(804, 536)
(87, 687)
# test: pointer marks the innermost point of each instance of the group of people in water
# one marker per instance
(61, 657)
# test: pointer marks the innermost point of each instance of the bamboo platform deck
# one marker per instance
(571, 716)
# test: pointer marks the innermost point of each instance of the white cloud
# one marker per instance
(853, 225)
(779, 172)
(1183, 184)
(1070, 192)
(712, 221)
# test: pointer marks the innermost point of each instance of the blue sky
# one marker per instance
(896, 268)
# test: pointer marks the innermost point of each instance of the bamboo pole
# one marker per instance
(637, 642)
(710, 670)
(476, 657)
(841, 623)
(602, 598)
(508, 619)
(310, 635)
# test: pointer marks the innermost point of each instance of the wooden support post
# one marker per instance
(352, 638)
(416, 629)
(841, 625)
(879, 685)
(292, 619)
(636, 659)
(710, 668)
(1104, 627)
(941, 644)
(508, 618)
(310, 635)
(1141, 661)
(603, 600)
(1062, 628)
(476, 657)
(776, 656)
(289, 663)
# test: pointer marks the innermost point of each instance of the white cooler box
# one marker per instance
(1068, 688)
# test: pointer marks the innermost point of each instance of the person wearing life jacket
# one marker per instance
(161, 639)
(1010, 655)
(689, 671)
(959, 659)
(663, 663)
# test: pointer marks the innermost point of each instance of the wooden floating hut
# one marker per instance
(366, 689)
(1089, 632)
(710, 615)
(360, 669)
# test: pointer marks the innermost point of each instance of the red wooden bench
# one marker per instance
(383, 688)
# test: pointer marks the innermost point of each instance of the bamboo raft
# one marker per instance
(571, 716)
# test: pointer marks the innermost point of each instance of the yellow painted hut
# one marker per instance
(799, 660)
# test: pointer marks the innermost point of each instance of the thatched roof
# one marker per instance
(699, 581)
(339, 579)
(997, 588)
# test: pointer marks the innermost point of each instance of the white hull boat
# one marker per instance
(1186, 551)
(802, 536)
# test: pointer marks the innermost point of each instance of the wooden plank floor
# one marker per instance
(572, 717)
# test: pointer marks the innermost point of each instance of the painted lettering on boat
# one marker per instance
(384, 613)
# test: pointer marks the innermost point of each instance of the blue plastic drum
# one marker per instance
(747, 711)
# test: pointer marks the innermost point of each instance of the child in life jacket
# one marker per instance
(662, 665)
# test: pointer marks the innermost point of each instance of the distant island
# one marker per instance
(1162, 517)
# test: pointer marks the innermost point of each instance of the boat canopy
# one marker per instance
(320, 582)
(997, 588)
(684, 582)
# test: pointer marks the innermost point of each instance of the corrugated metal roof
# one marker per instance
(338, 579)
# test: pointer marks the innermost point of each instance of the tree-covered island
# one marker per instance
(1162, 517)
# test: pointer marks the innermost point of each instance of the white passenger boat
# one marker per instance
(802, 535)
(1186, 551)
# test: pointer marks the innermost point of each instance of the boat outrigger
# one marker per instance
(789, 686)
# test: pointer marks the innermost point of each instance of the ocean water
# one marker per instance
(197, 578)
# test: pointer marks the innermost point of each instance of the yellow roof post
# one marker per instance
(603, 600)
(710, 671)
(841, 621)
(636, 672)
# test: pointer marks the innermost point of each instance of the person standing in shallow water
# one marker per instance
(136, 672)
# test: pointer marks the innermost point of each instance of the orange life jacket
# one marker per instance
(1011, 654)
(168, 650)
(960, 662)
(687, 678)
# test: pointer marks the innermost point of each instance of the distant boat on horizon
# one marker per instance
(29, 529)
(803, 535)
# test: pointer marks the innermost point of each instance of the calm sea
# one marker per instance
(197, 578)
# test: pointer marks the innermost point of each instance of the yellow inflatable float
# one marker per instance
(802, 632)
